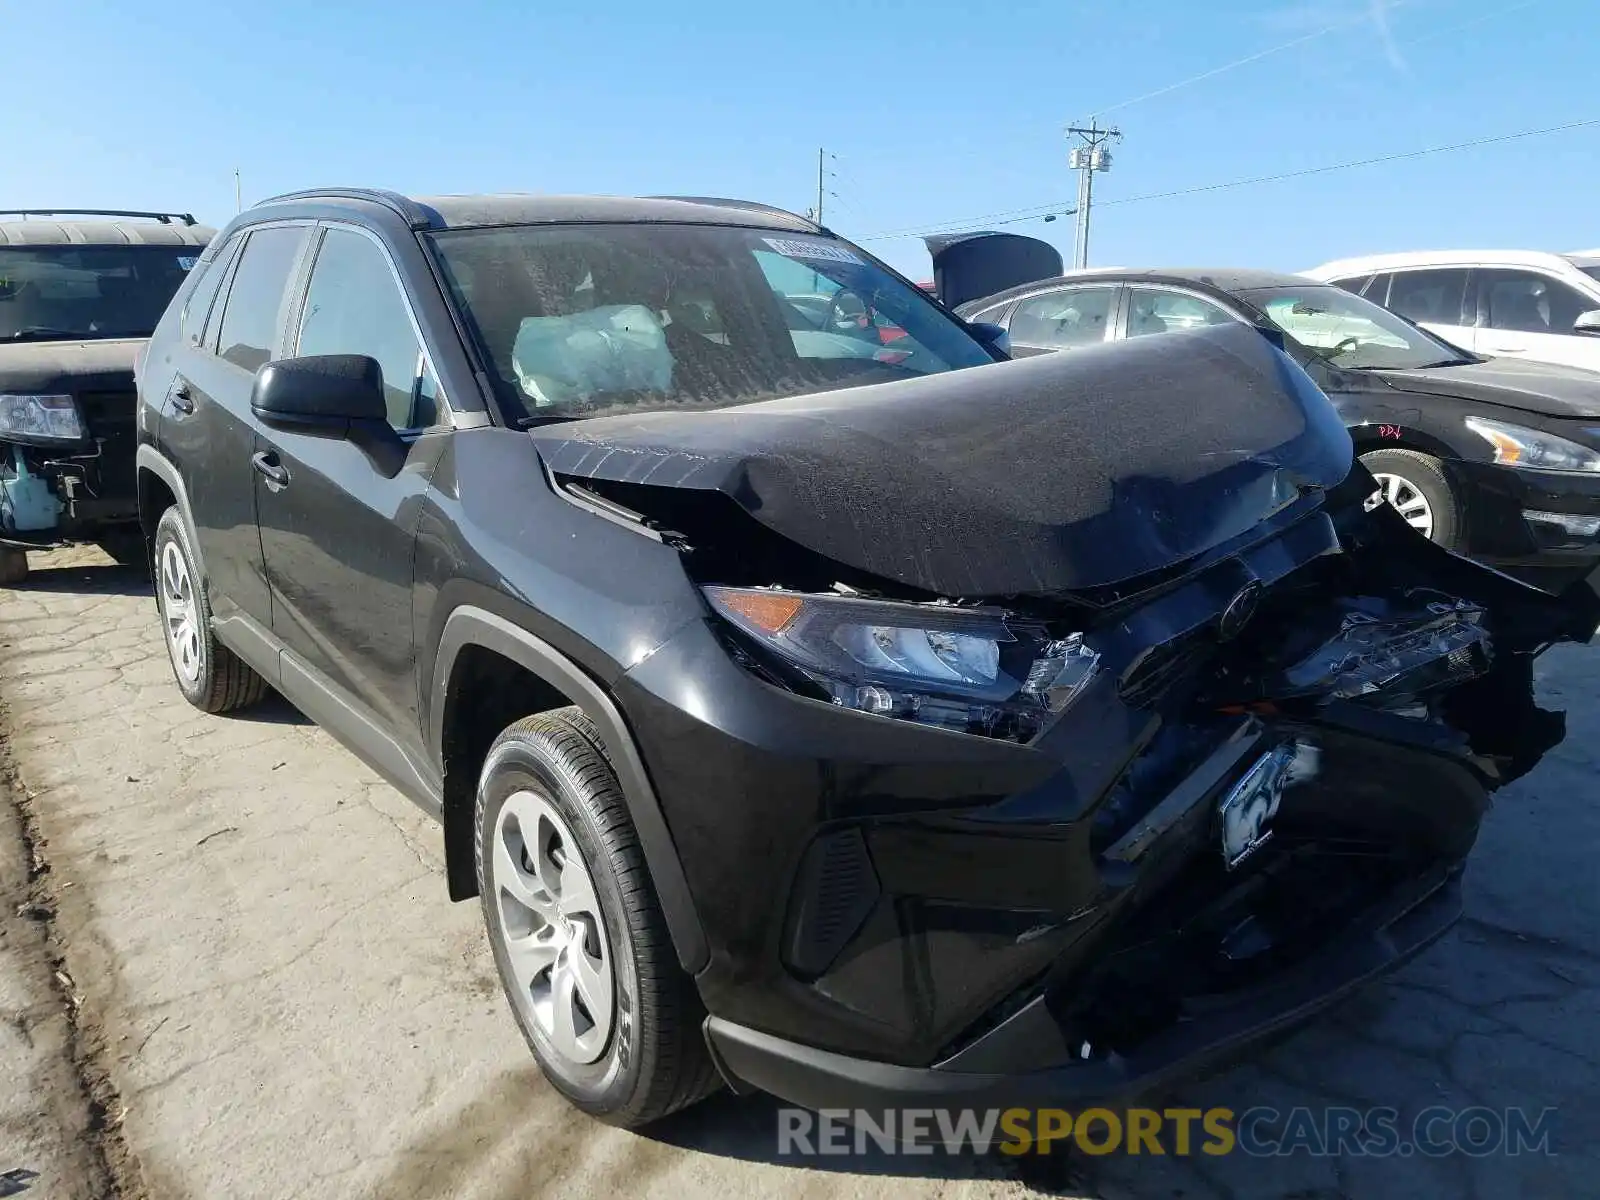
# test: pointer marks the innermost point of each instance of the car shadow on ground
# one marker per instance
(87, 579)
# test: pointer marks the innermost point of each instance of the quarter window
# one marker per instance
(1529, 303)
(1059, 320)
(254, 312)
(354, 306)
(198, 309)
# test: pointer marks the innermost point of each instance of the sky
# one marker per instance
(934, 114)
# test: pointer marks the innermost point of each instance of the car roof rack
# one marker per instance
(164, 218)
(418, 216)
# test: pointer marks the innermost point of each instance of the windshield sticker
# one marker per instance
(817, 251)
(187, 262)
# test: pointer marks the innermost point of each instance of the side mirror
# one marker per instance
(325, 395)
(991, 335)
(337, 396)
(1588, 323)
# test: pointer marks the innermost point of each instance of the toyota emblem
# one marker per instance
(1239, 611)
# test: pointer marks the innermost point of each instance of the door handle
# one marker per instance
(268, 467)
(180, 397)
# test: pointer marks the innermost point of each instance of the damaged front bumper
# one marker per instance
(1029, 1061)
(1238, 820)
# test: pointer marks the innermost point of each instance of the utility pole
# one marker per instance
(821, 187)
(1093, 155)
(238, 196)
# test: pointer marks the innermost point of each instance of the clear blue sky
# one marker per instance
(935, 111)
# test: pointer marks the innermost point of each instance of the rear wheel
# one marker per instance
(210, 676)
(13, 565)
(1416, 486)
(578, 935)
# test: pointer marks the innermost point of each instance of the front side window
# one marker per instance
(1152, 310)
(57, 293)
(1061, 320)
(1525, 302)
(1432, 296)
(253, 314)
(581, 320)
(354, 306)
(1349, 331)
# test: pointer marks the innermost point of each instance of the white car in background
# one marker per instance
(1498, 303)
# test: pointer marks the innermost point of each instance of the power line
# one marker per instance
(1348, 23)
(1023, 214)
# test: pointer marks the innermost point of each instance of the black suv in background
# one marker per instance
(77, 299)
(815, 710)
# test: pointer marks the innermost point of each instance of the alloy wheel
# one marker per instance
(1408, 499)
(178, 613)
(552, 929)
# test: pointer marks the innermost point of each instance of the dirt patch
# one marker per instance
(74, 1104)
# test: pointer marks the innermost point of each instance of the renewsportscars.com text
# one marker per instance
(1259, 1131)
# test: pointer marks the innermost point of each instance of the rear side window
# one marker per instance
(198, 308)
(1377, 289)
(1429, 296)
(254, 312)
(1060, 320)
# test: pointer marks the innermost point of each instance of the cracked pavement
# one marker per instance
(286, 1004)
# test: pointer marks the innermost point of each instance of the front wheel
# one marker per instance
(1416, 486)
(578, 935)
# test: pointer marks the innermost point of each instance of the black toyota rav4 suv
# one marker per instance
(852, 718)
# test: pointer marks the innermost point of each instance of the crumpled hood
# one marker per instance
(46, 367)
(1548, 388)
(1037, 477)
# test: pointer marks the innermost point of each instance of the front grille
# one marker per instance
(112, 421)
(1162, 667)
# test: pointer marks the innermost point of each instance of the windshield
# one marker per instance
(590, 319)
(51, 293)
(1592, 270)
(1346, 330)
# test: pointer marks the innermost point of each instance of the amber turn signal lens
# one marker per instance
(768, 611)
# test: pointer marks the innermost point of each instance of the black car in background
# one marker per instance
(1495, 458)
(824, 718)
(77, 299)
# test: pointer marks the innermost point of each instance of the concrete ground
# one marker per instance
(228, 968)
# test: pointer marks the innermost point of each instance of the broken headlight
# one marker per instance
(40, 418)
(1404, 656)
(977, 670)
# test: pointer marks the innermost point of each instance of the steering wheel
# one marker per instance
(841, 322)
(1348, 343)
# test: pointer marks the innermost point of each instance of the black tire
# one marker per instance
(1423, 474)
(221, 681)
(655, 1061)
(127, 549)
(13, 565)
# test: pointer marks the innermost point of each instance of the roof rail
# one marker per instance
(164, 218)
(749, 205)
(418, 216)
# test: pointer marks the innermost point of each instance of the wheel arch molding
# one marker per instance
(468, 627)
